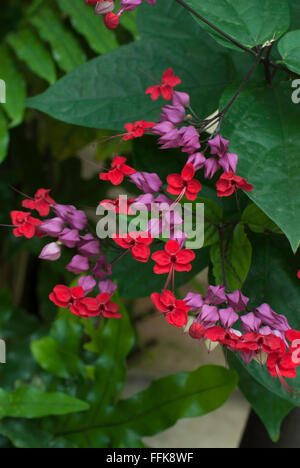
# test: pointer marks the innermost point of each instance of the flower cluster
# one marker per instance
(221, 317)
(106, 9)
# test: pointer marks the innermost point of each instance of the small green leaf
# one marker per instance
(258, 221)
(65, 46)
(15, 87)
(56, 359)
(28, 47)
(32, 402)
(289, 49)
(237, 256)
(91, 26)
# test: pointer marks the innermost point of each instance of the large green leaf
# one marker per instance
(15, 86)
(183, 395)
(236, 256)
(263, 130)
(258, 221)
(89, 25)
(115, 84)
(65, 46)
(269, 407)
(32, 402)
(28, 47)
(251, 23)
(289, 49)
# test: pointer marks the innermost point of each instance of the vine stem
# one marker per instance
(274, 65)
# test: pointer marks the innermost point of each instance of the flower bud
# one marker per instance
(111, 20)
(51, 252)
(104, 6)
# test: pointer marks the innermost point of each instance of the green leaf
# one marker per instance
(91, 26)
(183, 395)
(32, 402)
(55, 359)
(66, 48)
(295, 14)
(115, 84)
(237, 258)
(15, 87)
(26, 434)
(268, 148)
(289, 49)
(4, 136)
(257, 221)
(250, 23)
(270, 408)
(28, 47)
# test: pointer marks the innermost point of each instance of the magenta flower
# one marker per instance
(228, 317)
(69, 237)
(52, 227)
(237, 301)
(215, 295)
(148, 183)
(78, 265)
(107, 287)
(194, 301)
(102, 268)
(198, 160)
(250, 323)
(87, 283)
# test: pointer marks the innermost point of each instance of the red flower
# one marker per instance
(176, 311)
(281, 365)
(62, 296)
(119, 206)
(229, 183)
(298, 274)
(224, 337)
(169, 81)
(42, 202)
(137, 129)
(107, 308)
(184, 183)
(25, 224)
(173, 258)
(266, 343)
(137, 243)
(118, 170)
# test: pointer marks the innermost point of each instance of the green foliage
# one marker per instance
(268, 149)
(235, 251)
(289, 49)
(33, 402)
(250, 23)
(77, 367)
